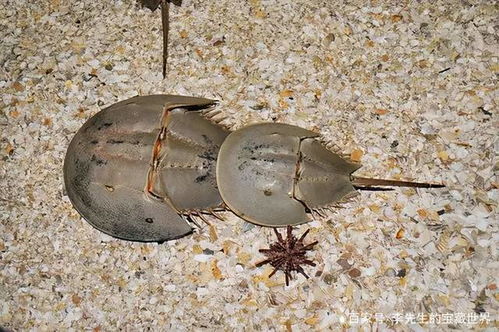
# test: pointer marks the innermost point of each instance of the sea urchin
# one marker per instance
(288, 254)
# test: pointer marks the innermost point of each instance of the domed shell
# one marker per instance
(132, 168)
(273, 174)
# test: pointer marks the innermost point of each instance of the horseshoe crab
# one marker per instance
(135, 168)
(275, 174)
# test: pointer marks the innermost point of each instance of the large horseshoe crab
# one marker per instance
(135, 169)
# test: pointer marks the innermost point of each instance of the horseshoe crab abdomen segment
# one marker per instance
(256, 171)
(324, 176)
(106, 169)
(187, 169)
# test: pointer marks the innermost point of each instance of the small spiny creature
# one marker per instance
(288, 254)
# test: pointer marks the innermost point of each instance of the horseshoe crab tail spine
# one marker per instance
(370, 184)
(165, 21)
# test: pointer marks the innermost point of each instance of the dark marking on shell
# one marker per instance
(105, 125)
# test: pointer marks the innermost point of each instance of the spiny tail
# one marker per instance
(165, 22)
(369, 184)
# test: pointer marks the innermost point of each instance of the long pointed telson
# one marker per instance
(375, 184)
(165, 22)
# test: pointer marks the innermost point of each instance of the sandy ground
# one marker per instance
(408, 88)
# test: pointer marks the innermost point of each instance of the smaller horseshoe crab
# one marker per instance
(134, 168)
(275, 174)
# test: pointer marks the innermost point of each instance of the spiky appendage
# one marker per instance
(288, 254)
(217, 117)
(193, 214)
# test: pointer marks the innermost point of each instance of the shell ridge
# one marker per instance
(296, 179)
(106, 155)
(185, 140)
(153, 174)
(321, 164)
